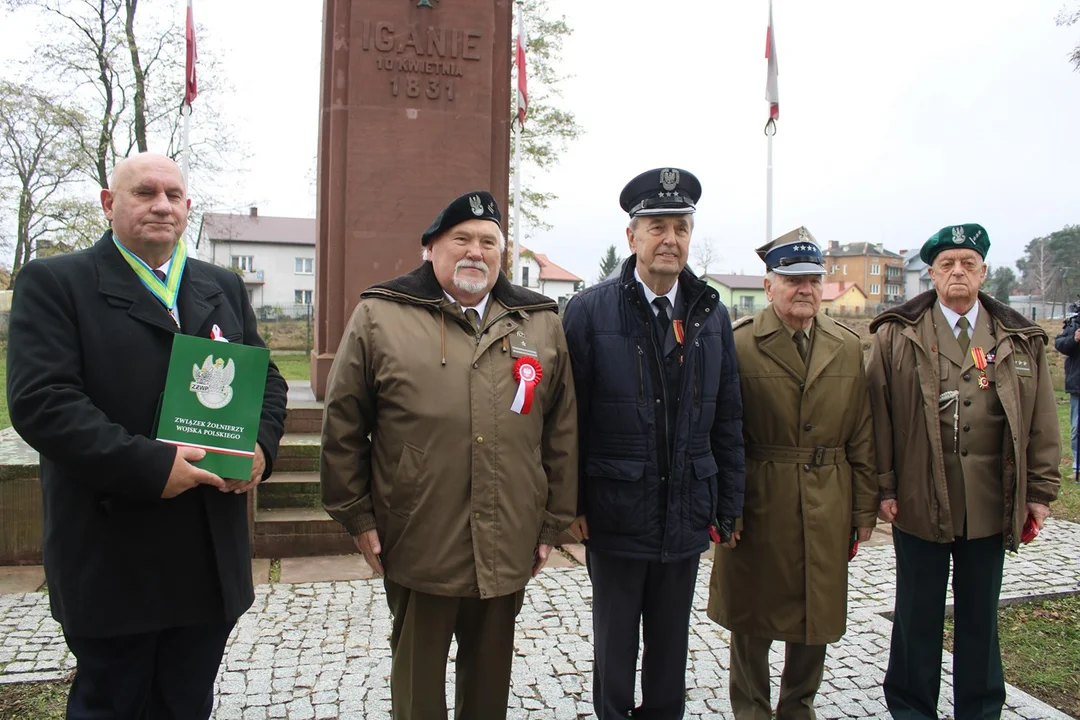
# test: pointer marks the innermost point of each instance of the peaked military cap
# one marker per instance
(663, 191)
(953, 237)
(794, 253)
(476, 205)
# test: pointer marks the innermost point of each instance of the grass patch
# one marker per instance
(293, 367)
(34, 701)
(1040, 649)
(275, 571)
(1067, 506)
(5, 419)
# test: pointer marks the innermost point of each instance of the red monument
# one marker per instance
(415, 109)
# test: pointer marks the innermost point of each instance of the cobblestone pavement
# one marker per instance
(320, 650)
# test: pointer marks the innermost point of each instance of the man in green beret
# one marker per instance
(968, 447)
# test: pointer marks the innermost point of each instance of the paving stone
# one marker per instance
(21, 579)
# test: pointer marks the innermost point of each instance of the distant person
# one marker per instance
(810, 484)
(968, 447)
(449, 453)
(661, 446)
(147, 557)
(1068, 344)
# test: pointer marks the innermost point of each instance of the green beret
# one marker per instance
(969, 235)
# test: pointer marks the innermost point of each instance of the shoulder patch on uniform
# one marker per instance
(746, 320)
(840, 324)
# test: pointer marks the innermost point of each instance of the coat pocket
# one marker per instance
(701, 498)
(406, 487)
(615, 495)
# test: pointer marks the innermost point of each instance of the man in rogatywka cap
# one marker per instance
(449, 453)
(661, 446)
(811, 486)
(968, 445)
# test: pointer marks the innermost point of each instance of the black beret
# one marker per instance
(477, 205)
(663, 191)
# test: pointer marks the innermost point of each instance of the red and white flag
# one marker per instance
(191, 88)
(771, 95)
(522, 91)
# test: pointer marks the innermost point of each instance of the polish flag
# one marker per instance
(771, 95)
(191, 88)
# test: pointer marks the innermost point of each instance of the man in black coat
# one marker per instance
(147, 557)
(1068, 344)
(661, 446)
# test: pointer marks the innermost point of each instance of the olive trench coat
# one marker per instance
(810, 478)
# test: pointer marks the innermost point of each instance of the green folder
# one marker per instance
(213, 400)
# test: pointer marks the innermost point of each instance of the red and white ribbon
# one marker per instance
(216, 334)
(527, 372)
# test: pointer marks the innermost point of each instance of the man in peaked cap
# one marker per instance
(661, 446)
(445, 479)
(810, 483)
(961, 481)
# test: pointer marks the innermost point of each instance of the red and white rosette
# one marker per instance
(216, 334)
(527, 372)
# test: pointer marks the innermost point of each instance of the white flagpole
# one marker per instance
(516, 264)
(768, 194)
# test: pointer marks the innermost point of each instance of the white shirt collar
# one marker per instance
(953, 317)
(650, 295)
(479, 307)
(165, 268)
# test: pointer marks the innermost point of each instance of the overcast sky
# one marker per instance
(896, 119)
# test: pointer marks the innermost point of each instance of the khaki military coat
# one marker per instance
(809, 480)
(905, 381)
(420, 443)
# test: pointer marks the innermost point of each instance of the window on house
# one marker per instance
(746, 301)
(525, 276)
(305, 266)
(875, 269)
(845, 270)
(244, 262)
(875, 289)
(302, 297)
(892, 289)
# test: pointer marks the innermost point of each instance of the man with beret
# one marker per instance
(968, 445)
(449, 453)
(810, 483)
(661, 446)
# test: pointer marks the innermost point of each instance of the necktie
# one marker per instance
(963, 338)
(474, 319)
(802, 343)
(161, 275)
(663, 318)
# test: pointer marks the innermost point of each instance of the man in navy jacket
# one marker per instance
(661, 446)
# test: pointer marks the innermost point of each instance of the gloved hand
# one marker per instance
(725, 527)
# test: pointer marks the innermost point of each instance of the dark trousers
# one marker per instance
(913, 680)
(164, 675)
(423, 627)
(659, 596)
(804, 666)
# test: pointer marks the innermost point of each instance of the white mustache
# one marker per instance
(475, 264)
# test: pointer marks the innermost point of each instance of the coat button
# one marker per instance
(806, 467)
(480, 439)
(967, 403)
(807, 427)
(967, 376)
(475, 365)
(657, 401)
(964, 452)
(477, 516)
(967, 428)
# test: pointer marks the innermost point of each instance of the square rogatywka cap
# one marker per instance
(793, 253)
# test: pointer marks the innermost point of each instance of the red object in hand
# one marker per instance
(714, 534)
(853, 545)
(1031, 530)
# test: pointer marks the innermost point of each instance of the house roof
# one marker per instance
(738, 282)
(220, 227)
(549, 270)
(860, 250)
(833, 290)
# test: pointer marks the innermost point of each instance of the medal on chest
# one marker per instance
(981, 361)
(680, 336)
(527, 373)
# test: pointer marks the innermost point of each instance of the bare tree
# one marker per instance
(704, 254)
(37, 163)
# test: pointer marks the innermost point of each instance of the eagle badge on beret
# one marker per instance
(476, 205)
(958, 235)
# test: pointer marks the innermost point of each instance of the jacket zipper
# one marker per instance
(640, 375)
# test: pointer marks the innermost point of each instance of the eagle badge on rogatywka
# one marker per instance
(212, 382)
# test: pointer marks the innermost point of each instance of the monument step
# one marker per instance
(304, 418)
(298, 532)
(297, 453)
(290, 490)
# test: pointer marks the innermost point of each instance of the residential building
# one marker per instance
(275, 256)
(877, 271)
(916, 274)
(843, 298)
(1032, 306)
(540, 274)
(742, 294)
